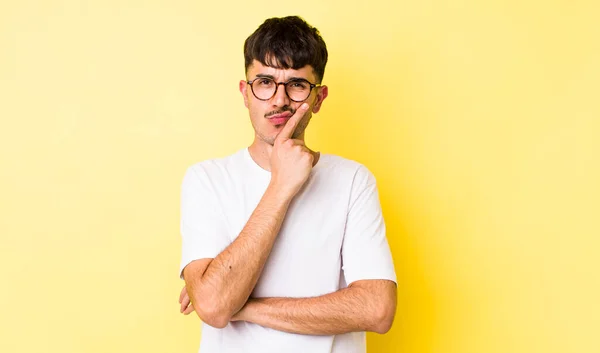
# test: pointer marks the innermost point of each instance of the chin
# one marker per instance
(269, 140)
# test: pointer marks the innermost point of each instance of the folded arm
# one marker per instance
(219, 287)
(367, 305)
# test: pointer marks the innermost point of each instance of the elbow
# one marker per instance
(215, 320)
(208, 303)
(212, 314)
(383, 326)
(383, 319)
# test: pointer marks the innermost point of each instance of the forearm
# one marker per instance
(347, 310)
(231, 276)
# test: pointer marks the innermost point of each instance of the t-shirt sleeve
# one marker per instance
(365, 251)
(203, 228)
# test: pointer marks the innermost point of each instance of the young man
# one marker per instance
(284, 248)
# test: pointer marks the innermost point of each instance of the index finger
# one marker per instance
(290, 125)
(181, 295)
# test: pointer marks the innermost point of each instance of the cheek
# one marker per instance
(256, 111)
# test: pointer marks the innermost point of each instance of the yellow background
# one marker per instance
(479, 119)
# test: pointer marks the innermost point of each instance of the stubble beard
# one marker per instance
(302, 125)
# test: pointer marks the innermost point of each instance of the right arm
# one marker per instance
(219, 287)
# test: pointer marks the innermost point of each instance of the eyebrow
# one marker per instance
(273, 77)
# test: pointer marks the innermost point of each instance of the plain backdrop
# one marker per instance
(479, 119)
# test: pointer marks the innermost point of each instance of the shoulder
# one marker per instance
(214, 165)
(214, 168)
(339, 165)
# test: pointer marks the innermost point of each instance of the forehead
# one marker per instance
(257, 68)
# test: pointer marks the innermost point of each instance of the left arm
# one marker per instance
(366, 305)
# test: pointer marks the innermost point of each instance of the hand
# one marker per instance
(291, 161)
(186, 304)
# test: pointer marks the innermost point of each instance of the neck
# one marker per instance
(260, 151)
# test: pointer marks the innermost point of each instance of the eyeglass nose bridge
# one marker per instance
(284, 89)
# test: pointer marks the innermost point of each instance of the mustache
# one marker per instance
(279, 111)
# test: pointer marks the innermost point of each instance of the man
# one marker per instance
(284, 248)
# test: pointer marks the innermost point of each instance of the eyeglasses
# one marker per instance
(297, 89)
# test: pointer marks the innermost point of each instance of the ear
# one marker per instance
(243, 90)
(323, 92)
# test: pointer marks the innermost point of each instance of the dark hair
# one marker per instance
(287, 42)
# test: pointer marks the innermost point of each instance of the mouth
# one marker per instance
(281, 118)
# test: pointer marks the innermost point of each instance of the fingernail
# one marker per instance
(304, 106)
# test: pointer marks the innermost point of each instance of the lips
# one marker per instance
(285, 114)
(281, 118)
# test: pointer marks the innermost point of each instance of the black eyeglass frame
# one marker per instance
(312, 85)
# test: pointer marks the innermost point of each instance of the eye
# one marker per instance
(265, 82)
(299, 84)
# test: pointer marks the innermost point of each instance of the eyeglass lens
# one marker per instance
(265, 88)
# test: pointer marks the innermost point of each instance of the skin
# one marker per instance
(264, 132)
(219, 289)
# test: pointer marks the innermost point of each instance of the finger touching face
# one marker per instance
(269, 116)
(290, 126)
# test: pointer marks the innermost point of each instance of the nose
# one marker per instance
(280, 98)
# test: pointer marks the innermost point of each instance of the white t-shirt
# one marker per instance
(333, 234)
